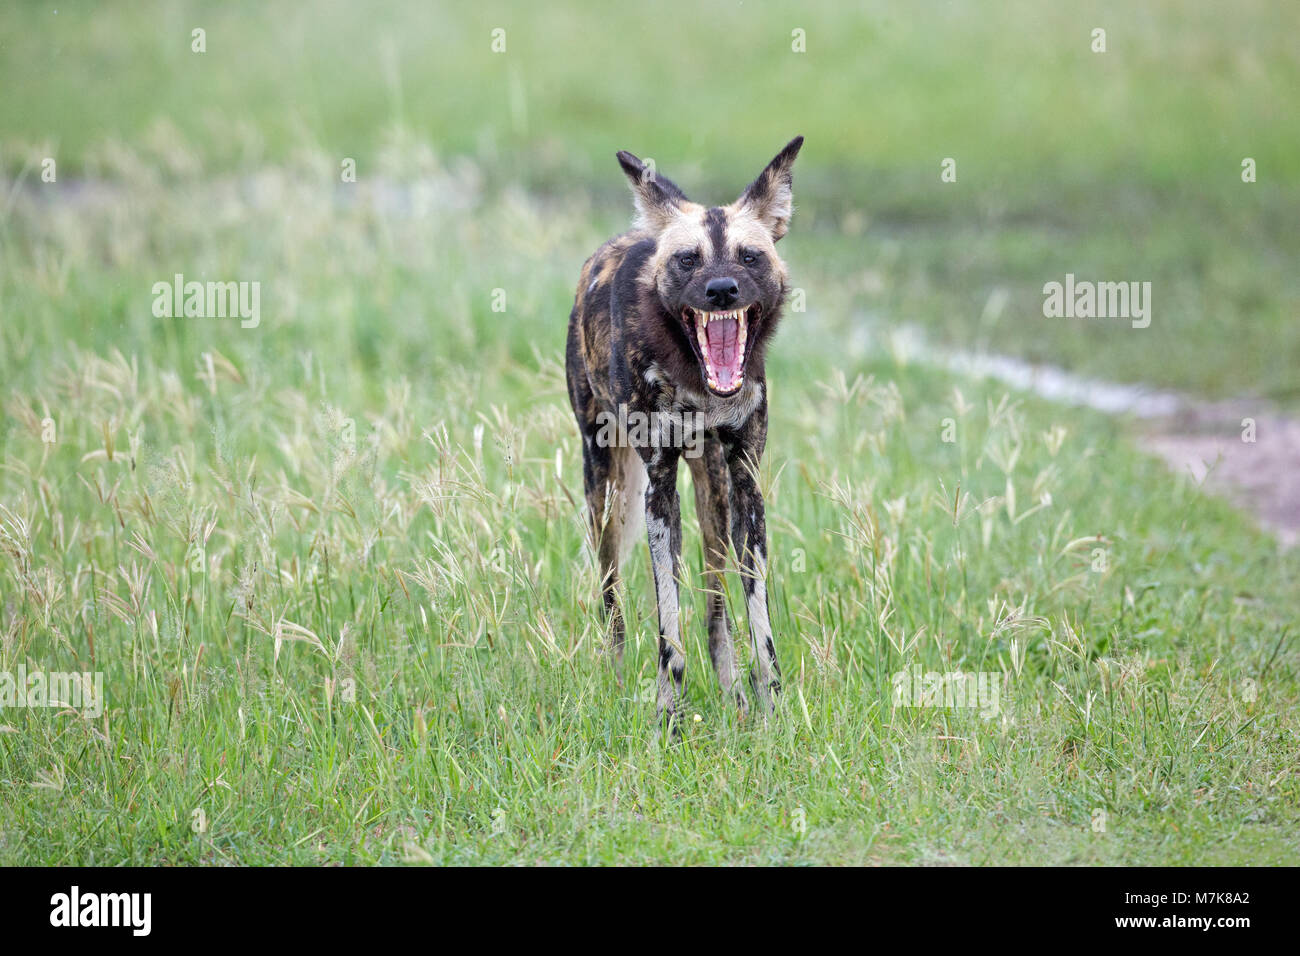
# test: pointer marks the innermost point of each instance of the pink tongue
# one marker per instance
(724, 352)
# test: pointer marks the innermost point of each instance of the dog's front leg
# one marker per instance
(749, 538)
(663, 521)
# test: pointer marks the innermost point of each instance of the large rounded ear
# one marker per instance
(657, 198)
(770, 197)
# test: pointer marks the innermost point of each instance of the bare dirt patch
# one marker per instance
(1249, 457)
(1242, 449)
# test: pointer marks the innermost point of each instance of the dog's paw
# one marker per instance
(671, 726)
(742, 701)
(765, 694)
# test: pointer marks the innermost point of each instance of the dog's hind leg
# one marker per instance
(712, 507)
(603, 480)
(599, 482)
(614, 480)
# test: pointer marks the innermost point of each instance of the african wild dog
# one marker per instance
(671, 320)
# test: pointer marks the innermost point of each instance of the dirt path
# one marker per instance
(1209, 440)
(1242, 450)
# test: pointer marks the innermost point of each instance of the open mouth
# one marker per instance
(720, 337)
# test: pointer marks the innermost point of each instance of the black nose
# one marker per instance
(722, 292)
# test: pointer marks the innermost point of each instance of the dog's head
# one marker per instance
(715, 269)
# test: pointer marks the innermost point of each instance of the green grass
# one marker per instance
(443, 585)
(333, 568)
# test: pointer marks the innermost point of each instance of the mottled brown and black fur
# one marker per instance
(633, 342)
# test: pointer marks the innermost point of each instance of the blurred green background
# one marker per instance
(1122, 165)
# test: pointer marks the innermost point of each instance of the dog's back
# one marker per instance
(591, 334)
(588, 366)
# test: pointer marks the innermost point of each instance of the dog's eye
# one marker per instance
(687, 261)
(748, 257)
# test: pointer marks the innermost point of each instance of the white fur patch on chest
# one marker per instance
(729, 412)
